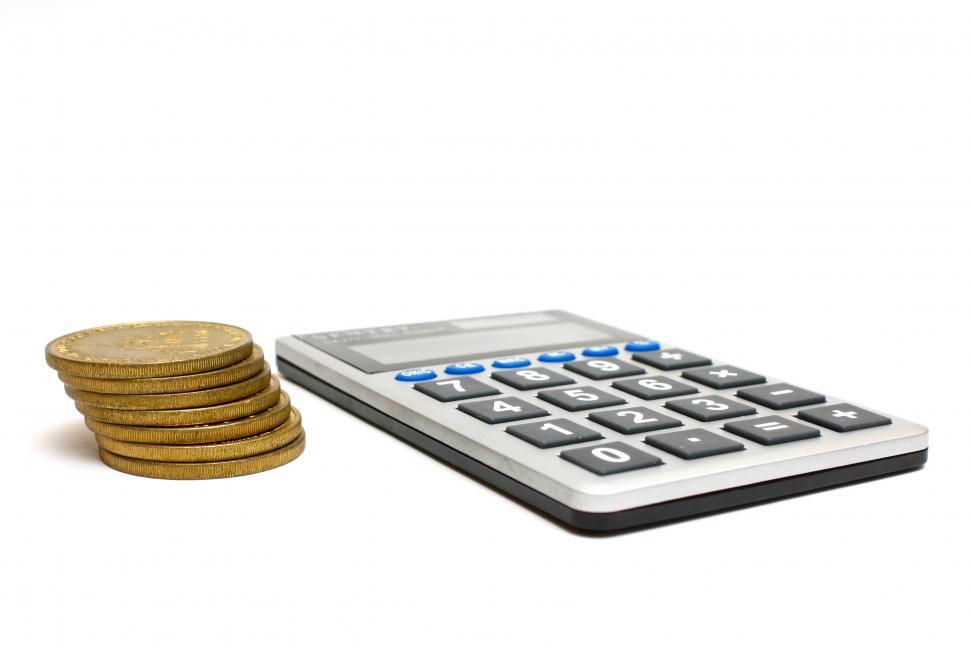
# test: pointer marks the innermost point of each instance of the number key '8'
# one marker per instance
(525, 379)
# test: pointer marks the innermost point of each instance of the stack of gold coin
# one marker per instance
(178, 399)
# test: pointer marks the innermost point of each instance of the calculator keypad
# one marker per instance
(610, 458)
(654, 387)
(693, 443)
(501, 410)
(671, 359)
(708, 408)
(456, 388)
(602, 369)
(634, 420)
(843, 417)
(524, 379)
(553, 433)
(679, 380)
(781, 396)
(724, 376)
(580, 398)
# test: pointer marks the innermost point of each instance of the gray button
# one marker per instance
(843, 417)
(693, 443)
(524, 379)
(603, 368)
(553, 433)
(634, 420)
(710, 407)
(580, 398)
(507, 409)
(610, 458)
(654, 387)
(723, 377)
(771, 430)
(456, 388)
(669, 359)
(781, 396)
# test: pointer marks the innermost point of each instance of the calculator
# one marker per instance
(599, 428)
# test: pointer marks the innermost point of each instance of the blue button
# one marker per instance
(511, 362)
(464, 368)
(640, 345)
(415, 375)
(600, 351)
(557, 356)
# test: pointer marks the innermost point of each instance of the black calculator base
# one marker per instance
(606, 521)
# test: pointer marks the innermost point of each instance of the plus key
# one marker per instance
(843, 417)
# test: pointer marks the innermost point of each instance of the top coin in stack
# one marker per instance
(149, 349)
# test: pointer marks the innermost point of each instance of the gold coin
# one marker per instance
(210, 433)
(182, 417)
(190, 400)
(224, 451)
(149, 349)
(231, 374)
(212, 470)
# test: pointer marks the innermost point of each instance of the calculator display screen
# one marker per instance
(479, 343)
(392, 348)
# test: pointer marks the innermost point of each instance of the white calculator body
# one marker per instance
(600, 428)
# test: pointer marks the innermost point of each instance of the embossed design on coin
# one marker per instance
(149, 349)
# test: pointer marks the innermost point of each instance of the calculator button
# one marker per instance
(693, 443)
(671, 359)
(580, 398)
(458, 388)
(843, 417)
(557, 356)
(610, 458)
(601, 351)
(601, 369)
(524, 379)
(502, 410)
(553, 433)
(724, 376)
(654, 388)
(464, 368)
(710, 407)
(634, 420)
(771, 430)
(511, 362)
(781, 396)
(640, 345)
(415, 375)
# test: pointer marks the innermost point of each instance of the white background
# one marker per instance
(783, 185)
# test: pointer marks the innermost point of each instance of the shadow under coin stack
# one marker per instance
(178, 399)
